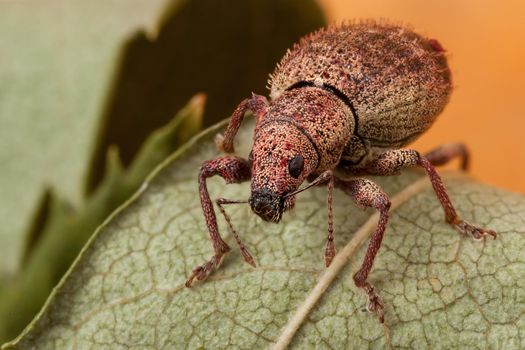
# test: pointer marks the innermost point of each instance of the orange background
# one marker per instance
(485, 43)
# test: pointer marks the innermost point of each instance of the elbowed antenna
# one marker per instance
(221, 201)
(326, 176)
(244, 251)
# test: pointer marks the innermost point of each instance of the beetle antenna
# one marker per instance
(321, 179)
(222, 201)
(244, 251)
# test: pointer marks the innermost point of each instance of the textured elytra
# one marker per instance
(442, 290)
(396, 80)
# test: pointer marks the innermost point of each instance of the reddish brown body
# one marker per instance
(345, 98)
(394, 81)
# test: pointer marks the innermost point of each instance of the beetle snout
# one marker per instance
(267, 204)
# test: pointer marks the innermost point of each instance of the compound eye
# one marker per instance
(296, 166)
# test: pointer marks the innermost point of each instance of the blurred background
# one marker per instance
(485, 43)
(90, 94)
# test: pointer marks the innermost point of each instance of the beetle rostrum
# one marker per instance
(346, 98)
(267, 204)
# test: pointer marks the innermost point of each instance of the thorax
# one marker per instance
(318, 114)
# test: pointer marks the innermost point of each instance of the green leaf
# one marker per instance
(225, 49)
(56, 63)
(64, 233)
(441, 289)
(65, 73)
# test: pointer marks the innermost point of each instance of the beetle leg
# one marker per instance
(233, 170)
(368, 194)
(445, 153)
(391, 162)
(257, 104)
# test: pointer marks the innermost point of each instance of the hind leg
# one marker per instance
(391, 162)
(445, 153)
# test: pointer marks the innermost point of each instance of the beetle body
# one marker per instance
(343, 98)
(393, 81)
(344, 95)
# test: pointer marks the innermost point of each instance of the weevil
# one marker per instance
(344, 100)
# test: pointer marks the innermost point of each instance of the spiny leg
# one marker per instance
(244, 251)
(233, 170)
(445, 153)
(368, 194)
(257, 104)
(391, 162)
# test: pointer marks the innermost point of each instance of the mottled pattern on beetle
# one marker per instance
(390, 163)
(274, 145)
(318, 113)
(397, 80)
(365, 192)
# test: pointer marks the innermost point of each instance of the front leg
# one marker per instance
(257, 104)
(391, 162)
(234, 170)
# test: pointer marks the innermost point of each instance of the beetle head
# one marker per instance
(281, 158)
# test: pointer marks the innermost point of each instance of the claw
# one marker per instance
(375, 304)
(476, 232)
(194, 274)
(203, 271)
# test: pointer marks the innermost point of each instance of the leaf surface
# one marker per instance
(441, 289)
(65, 231)
(56, 60)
